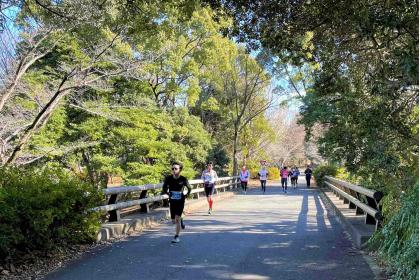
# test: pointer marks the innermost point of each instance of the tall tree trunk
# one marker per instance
(235, 151)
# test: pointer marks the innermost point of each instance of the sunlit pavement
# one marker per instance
(252, 236)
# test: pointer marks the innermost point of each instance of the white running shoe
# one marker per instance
(209, 212)
(176, 239)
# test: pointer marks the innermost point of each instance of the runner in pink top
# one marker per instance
(284, 173)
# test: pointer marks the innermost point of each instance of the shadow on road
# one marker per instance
(253, 236)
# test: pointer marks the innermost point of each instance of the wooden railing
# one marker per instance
(364, 201)
(115, 193)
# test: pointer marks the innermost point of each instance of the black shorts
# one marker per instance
(209, 189)
(176, 207)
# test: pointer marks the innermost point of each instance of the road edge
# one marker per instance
(374, 267)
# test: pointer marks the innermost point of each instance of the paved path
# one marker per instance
(253, 236)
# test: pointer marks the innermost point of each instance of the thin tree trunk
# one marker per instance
(39, 121)
(235, 151)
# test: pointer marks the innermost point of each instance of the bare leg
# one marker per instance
(178, 224)
(209, 201)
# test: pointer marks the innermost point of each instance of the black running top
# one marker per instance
(172, 184)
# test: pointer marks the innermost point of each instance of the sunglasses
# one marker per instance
(175, 168)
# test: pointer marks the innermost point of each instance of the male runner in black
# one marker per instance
(308, 175)
(173, 186)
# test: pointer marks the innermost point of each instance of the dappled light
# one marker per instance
(281, 138)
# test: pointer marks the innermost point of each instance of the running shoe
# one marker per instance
(176, 239)
(209, 212)
(182, 224)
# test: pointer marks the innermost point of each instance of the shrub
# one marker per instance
(398, 241)
(273, 173)
(254, 173)
(323, 170)
(40, 210)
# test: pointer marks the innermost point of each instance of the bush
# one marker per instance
(273, 173)
(45, 209)
(254, 173)
(321, 171)
(398, 241)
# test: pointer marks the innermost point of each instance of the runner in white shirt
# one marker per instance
(263, 173)
(244, 177)
(209, 176)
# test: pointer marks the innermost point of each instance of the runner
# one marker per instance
(284, 173)
(263, 173)
(244, 176)
(308, 173)
(174, 186)
(209, 176)
(294, 176)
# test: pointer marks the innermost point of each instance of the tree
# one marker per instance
(364, 92)
(289, 144)
(244, 88)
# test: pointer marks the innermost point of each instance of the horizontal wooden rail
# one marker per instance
(113, 206)
(126, 204)
(364, 200)
(377, 195)
(128, 189)
(371, 211)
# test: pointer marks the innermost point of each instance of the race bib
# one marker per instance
(176, 195)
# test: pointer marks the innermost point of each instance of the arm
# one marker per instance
(215, 176)
(165, 186)
(187, 184)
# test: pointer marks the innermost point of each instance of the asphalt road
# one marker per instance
(253, 236)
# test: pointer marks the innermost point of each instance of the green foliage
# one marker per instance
(40, 210)
(220, 159)
(254, 173)
(139, 146)
(252, 141)
(273, 173)
(398, 241)
(321, 171)
(363, 94)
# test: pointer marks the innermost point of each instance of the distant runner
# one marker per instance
(308, 175)
(244, 177)
(284, 174)
(209, 176)
(294, 175)
(263, 173)
(174, 186)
